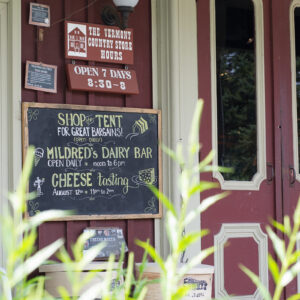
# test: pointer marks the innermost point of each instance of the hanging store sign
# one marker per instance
(100, 79)
(101, 43)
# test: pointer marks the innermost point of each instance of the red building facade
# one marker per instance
(240, 57)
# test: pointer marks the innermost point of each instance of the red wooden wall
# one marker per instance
(50, 50)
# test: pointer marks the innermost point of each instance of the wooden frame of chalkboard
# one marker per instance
(40, 80)
(96, 161)
(45, 22)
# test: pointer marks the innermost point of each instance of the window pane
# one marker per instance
(236, 88)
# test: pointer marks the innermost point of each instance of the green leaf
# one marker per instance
(204, 205)
(35, 261)
(206, 161)
(287, 225)
(64, 256)
(45, 216)
(139, 286)
(278, 225)
(297, 213)
(194, 130)
(143, 264)
(26, 246)
(179, 155)
(210, 168)
(166, 202)
(64, 294)
(273, 267)
(189, 239)
(171, 226)
(152, 252)
(77, 248)
(87, 277)
(255, 279)
(7, 288)
(92, 292)
(129, 274)
(108, 277)
(39, 290)
(91, 254)
(194, 261)
(143, 293)
(278, 244)
(22, 187)
(290, 274)
(169, 152)
(294, 297)
(294, 257)
(202, 186)
(182, 291)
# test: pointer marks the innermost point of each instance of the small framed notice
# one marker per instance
(41, 77)
(39, 14)
(112, 237)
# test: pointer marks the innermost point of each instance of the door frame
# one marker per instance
(10, 101)
(175, 92)
(294, 4)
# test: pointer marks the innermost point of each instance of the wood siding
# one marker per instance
(50, 50)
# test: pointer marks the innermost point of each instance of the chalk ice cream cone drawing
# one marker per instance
(38, 154)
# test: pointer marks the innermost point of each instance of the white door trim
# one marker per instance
(10, 98)
(235, 231)
(175, 91)
(261, 174)
(294, 5)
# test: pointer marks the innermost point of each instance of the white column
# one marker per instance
(10, 100)
(175, 91)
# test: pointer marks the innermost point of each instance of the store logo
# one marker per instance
(77, 45)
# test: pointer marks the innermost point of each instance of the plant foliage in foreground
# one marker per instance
(19, 237)
(171, 273)
(289, 258)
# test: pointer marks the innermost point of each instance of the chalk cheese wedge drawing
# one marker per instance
(147, 176)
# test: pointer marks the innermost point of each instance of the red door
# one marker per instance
(245, 67)
(287, 94)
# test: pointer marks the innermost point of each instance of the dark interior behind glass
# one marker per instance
(236, 88)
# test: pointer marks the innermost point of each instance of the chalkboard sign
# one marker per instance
(41, 77)
(96, 161)
(39, 14)
(112, 237)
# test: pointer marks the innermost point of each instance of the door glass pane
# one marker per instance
(236, 88)
(297, 51)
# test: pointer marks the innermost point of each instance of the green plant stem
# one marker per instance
(285, 264)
